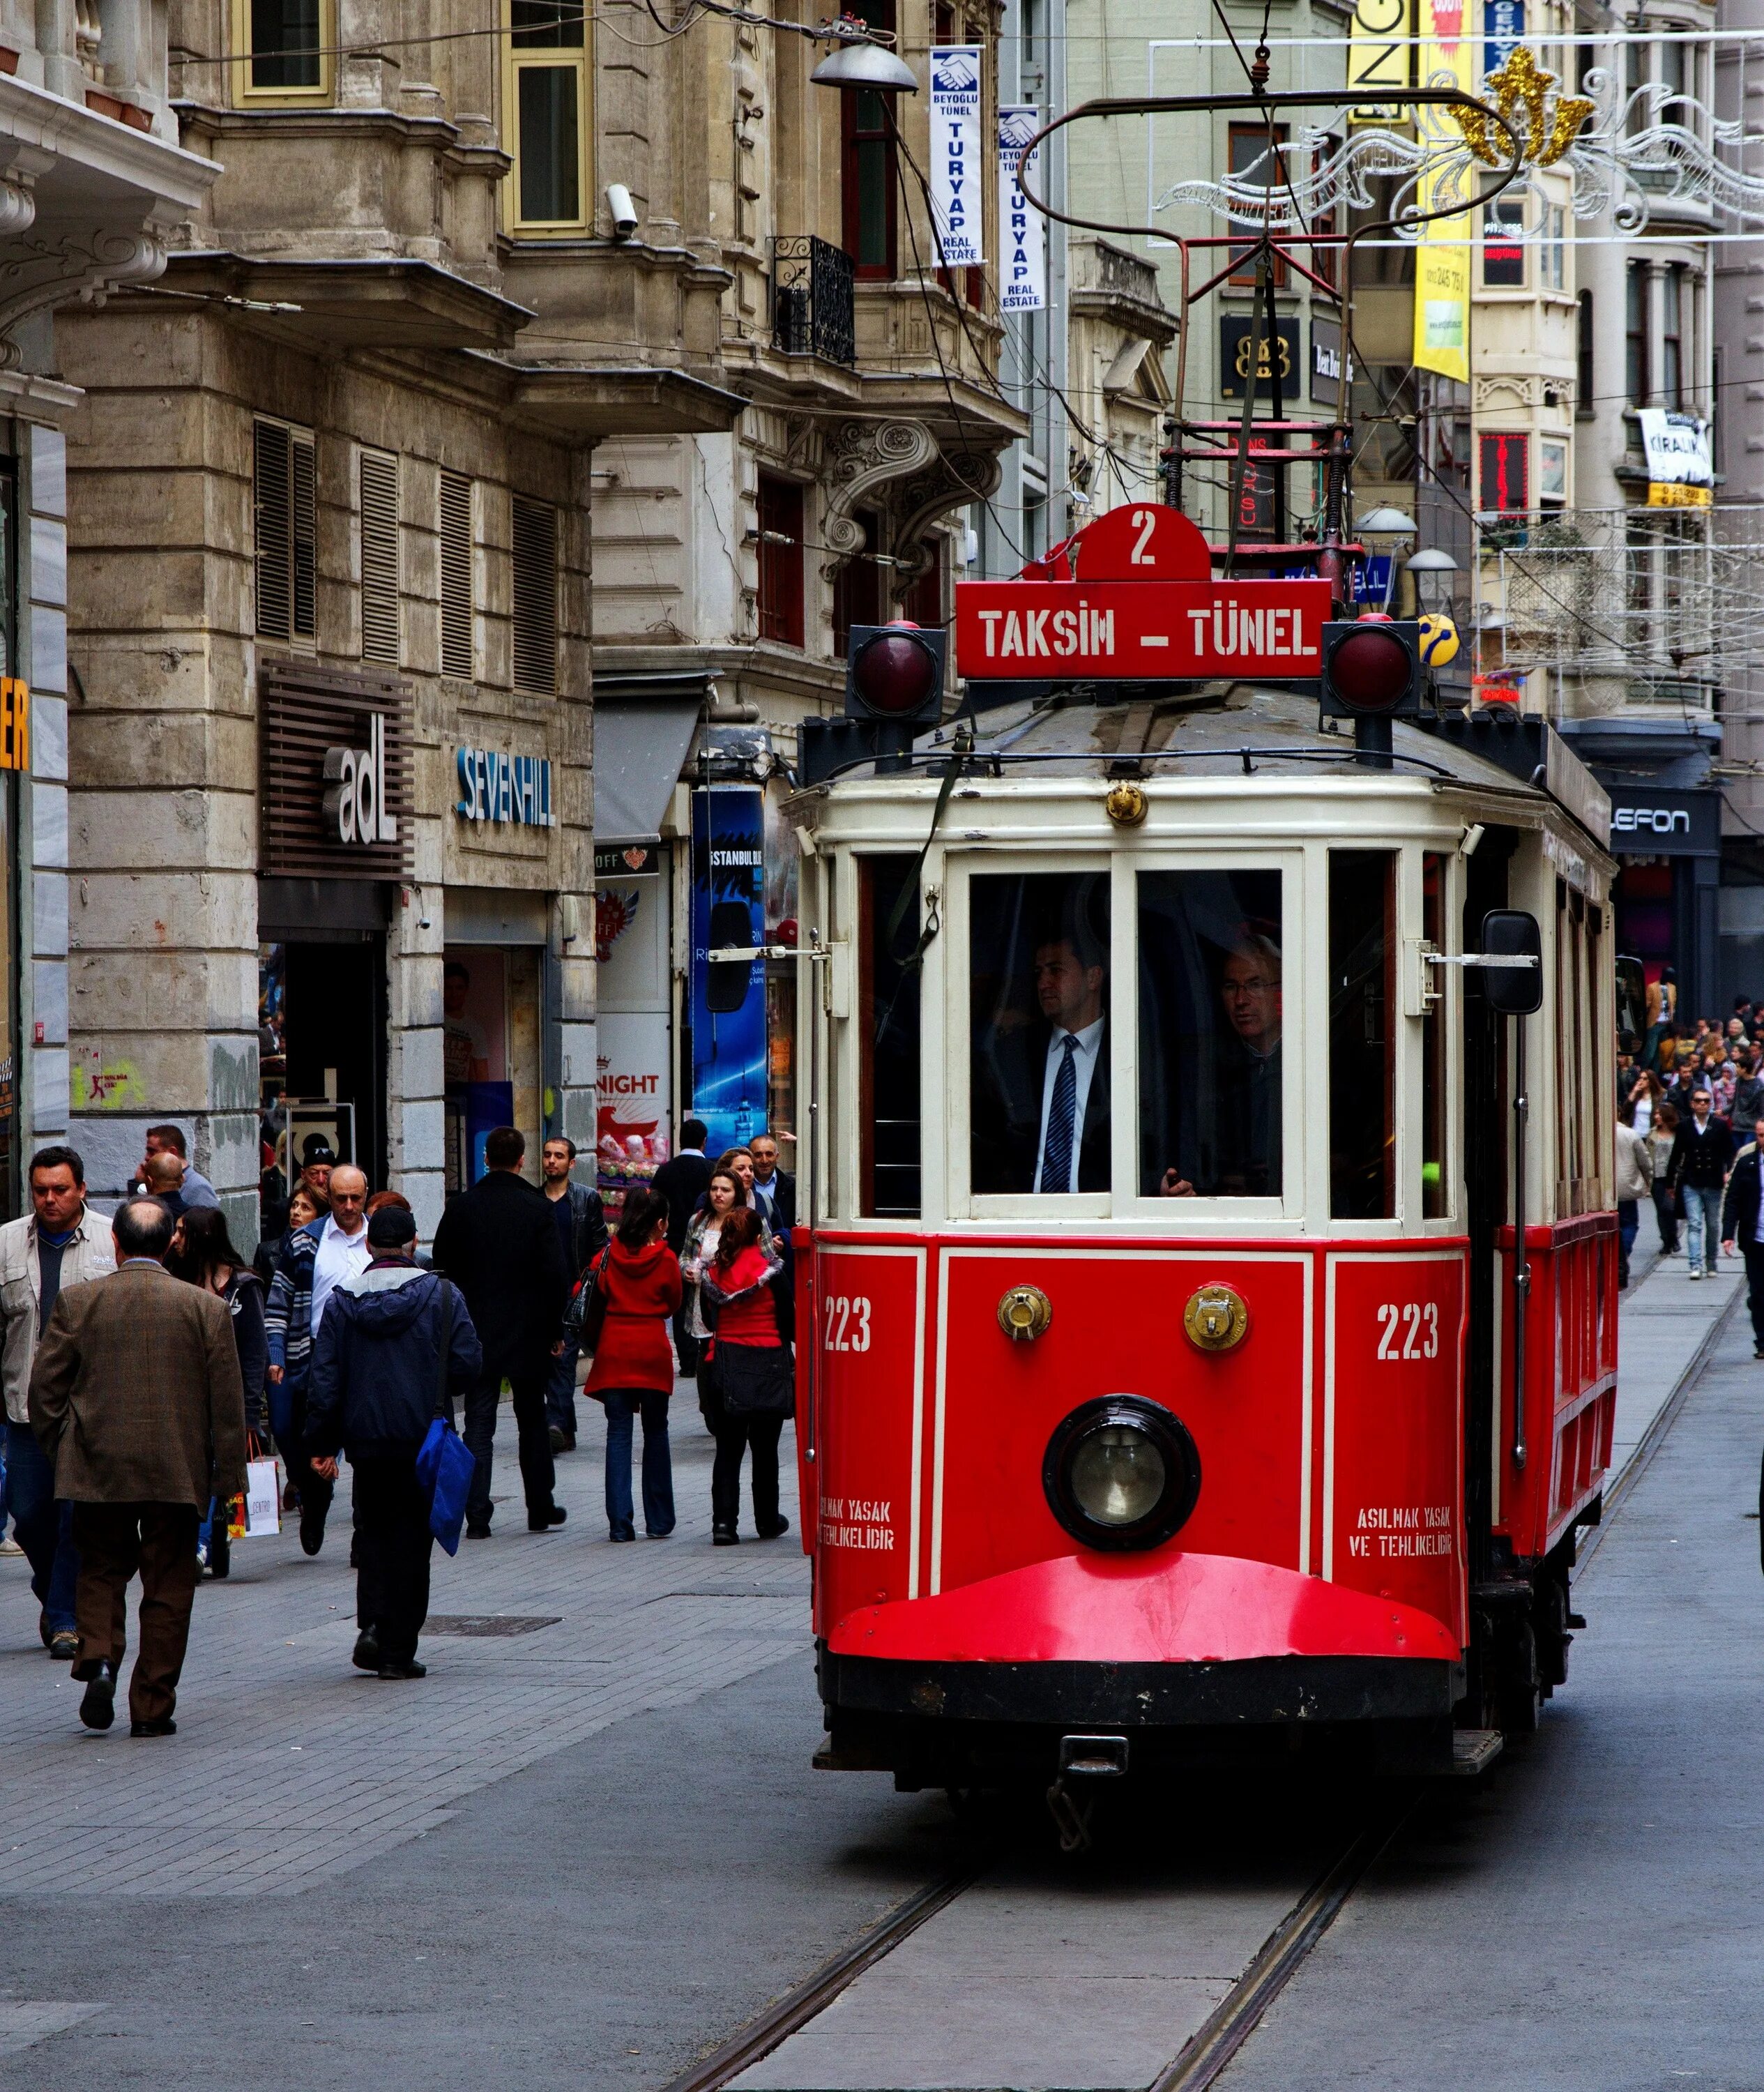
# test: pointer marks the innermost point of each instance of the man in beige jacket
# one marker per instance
(57, 1244)
(137, 1396)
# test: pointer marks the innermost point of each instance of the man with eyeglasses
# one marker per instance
(1247, 1080)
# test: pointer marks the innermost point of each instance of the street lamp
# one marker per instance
(1388, 522)
(862, 63)
(1430, 560)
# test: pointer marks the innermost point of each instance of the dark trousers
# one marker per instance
(1628, 1225)
(686, 1347)
(560, 1390)
(1754, 1254)
(538, 1476)
(315, 1491)
(623, 1404)
(156, 1541)
(45, 1526)
(391, 1525)
(735, 1435)
(1665, 1213)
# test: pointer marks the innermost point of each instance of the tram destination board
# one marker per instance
(1142, 630)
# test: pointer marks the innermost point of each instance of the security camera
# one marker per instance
(623, 211)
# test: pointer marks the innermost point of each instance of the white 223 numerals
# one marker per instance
(848, 1323)
(1410, 1331)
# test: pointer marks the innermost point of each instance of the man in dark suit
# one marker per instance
(135, 1396)
(682, 1181)
(774, 1193)
(499, 1243)
(1041, 1091)
(1238, 1144)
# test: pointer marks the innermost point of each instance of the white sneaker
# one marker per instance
(8, 1546)
(1696, 1274)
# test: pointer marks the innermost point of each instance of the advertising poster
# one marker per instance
(1379, 55)
(728, 998)
(956, 192)
(1503, 30)
(632, 1025)
(1022, 236)
(1442, 255)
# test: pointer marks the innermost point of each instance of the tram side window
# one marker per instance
(1362, 1034)
(1212, 1081)
(888, 1036)
(1038, 1003)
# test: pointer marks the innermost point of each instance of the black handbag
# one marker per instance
(755, 1380)
(593, 1311)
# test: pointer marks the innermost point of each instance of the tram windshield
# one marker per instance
(1212, 1081)
(1039, 995)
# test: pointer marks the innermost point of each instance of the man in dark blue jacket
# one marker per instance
(378, 1381)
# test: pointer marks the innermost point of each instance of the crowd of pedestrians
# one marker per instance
(146, 1360)
(1690, 1105)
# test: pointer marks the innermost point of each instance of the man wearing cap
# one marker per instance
(376, 1382)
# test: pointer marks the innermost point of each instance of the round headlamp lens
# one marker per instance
(1120, 1472)
(1117, 1474)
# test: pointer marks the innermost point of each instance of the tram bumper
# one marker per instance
(1170, 1643)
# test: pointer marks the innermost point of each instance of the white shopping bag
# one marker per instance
(263, 1500)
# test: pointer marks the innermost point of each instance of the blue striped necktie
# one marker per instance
(1062, 1115)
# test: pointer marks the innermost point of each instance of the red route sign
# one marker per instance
(1152, 629)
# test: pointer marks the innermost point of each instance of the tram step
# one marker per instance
(1474, 1751)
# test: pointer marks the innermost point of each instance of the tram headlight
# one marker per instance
(1121, 1472)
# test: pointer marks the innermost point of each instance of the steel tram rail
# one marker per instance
(1202, 2058)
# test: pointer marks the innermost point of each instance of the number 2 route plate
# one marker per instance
(1160, 630)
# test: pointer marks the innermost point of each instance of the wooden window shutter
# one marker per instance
(379, 558)
(457, 653)
(272, 498)
(304, 485)
(535, 596)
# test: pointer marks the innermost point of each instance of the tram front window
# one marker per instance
(1039, 1050)
(1212, 1081)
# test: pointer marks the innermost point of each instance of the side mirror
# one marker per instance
(1632, 1004)
(1513, 990)
(727, 980)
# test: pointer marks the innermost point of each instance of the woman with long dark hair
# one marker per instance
(202, 1253)
(746, 1388)
(634, 1290)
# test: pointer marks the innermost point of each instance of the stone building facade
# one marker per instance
(93, 186)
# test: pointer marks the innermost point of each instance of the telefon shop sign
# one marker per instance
(956, 186)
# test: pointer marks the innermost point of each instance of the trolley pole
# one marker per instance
(1521, 1262)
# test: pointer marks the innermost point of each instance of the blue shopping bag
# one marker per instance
(445, 1467)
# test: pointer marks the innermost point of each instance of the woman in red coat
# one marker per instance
(633, 1363)
(749, 1391)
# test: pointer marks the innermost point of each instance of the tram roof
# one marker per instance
(1232, 729)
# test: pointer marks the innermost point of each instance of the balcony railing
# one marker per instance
(812, 302)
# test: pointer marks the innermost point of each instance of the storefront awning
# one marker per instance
(640, 746)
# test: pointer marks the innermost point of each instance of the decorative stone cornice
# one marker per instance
(60, 264)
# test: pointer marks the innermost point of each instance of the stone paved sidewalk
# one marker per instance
(289, 1765)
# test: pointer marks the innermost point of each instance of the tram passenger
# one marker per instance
(1247, 1075)
(1041, 1083)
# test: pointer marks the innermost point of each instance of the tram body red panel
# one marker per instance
(1571, 1380)
(1330, 1439)
(1117, 1328)
(1395, 1326)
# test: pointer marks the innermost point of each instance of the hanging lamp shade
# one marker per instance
(860, 63)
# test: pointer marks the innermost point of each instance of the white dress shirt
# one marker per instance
(340, 1256)
(1089, 1043)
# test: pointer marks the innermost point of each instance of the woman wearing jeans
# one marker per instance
(633, 1362)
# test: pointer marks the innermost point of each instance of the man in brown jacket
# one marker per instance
(135, 1396)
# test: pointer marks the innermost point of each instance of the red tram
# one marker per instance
(1196, 1356)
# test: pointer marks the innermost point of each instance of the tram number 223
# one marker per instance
(1409, 1331)
(848, 1323)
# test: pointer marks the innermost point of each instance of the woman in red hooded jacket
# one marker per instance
(632, 1372)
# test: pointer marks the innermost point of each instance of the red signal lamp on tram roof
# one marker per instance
(895, 673)
(1371, 667)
